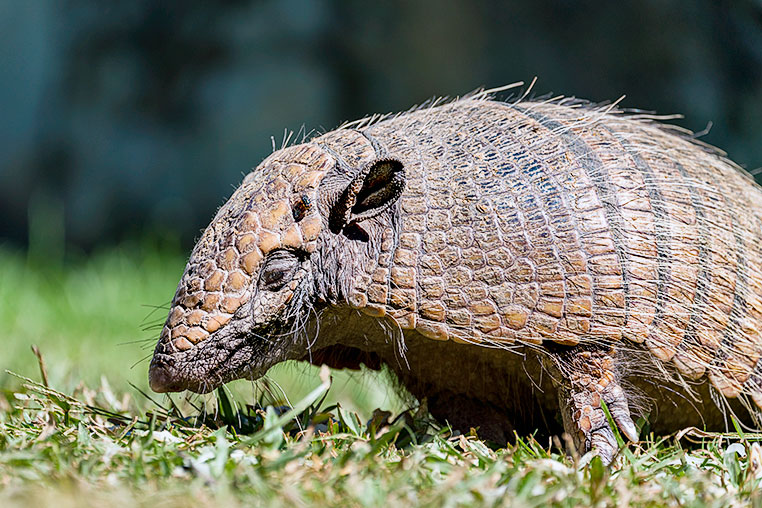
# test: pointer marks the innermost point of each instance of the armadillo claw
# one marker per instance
(616, 402)
(591, 429)
(590, 380)
(603, 441)
(624, 421)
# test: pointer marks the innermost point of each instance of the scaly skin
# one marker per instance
(555, 231)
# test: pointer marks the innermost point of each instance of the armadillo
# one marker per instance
(518, 265)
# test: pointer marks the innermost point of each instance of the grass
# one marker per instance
(88, 438)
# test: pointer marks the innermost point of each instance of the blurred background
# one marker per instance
(123, 126)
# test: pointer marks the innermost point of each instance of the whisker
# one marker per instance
(138, 341)
(165, 306)
(148, 356)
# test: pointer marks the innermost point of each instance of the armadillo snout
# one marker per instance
(166, 375)
(160, 378)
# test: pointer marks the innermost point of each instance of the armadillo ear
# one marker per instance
(375, 188)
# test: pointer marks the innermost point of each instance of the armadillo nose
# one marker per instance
(160, 378)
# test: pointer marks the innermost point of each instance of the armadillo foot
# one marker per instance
(589, 377)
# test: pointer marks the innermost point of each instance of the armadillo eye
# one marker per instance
(278, 270)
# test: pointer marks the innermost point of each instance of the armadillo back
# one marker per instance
(542, 221)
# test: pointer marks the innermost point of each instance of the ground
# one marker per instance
(91, 436)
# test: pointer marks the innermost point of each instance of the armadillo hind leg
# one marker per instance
(589, 376)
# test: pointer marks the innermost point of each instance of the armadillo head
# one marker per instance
(265, 261)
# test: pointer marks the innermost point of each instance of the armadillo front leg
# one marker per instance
(589, 376)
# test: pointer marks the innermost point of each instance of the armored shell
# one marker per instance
(462, 244)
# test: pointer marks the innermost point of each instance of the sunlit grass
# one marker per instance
(96, 448)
